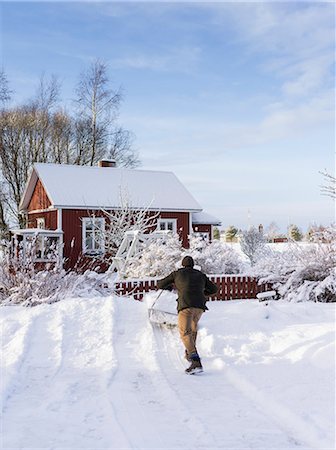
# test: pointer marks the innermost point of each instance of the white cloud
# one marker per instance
(296, 40)
(182, 59)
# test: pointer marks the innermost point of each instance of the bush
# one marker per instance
(214, 257)
(21, 283)
(161, 257)
(156, 259)
(305, 272)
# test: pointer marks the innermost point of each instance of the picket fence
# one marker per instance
(230, 287)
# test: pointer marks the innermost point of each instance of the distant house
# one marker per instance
(60, 199)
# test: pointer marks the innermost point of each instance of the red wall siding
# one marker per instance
(182, 224)
(50, 218)
(39, 199)
(72, 229)
(203, 229)
(72, 237)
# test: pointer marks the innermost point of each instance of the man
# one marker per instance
(193, 286)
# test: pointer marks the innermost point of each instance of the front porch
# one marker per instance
(38, 246)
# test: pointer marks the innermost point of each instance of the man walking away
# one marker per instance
(193, 287)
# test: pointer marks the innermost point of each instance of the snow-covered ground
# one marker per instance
(94, 373)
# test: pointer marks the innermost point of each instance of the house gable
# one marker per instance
(39, 199)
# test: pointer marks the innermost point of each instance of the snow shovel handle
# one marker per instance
(157, 298)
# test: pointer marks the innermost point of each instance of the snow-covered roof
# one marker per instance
(72, 186)
(204, 218)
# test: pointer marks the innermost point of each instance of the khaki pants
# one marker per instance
(187, 323)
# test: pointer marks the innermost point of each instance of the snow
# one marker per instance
(94, 373)
(102, 187)
(204, 218)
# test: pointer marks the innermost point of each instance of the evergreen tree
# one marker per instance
(295, 233)
(216, 234)
(230, 233)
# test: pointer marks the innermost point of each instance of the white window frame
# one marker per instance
(40, 223)
(204, 234)
(39, 241)
(93, 252)
(166, 222)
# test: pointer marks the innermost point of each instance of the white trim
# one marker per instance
(112, 208)
(37, 211)
(59, 219)
(40, 221)
(204, 234)
(166, 221)
(92, 252)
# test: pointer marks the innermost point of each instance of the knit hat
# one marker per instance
(187, 261)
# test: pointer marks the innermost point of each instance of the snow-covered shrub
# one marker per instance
(22, 283)
(156, 259)
(162, 256)
(305, 272)
(253, 244)
(214, 257)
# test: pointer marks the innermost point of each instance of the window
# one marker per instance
(203, 234)
(167, 225)
(42, 248)
(93, 235)
(40, 223)
(47, 248)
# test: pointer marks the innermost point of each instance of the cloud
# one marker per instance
(181, 59)
(296, 41)
(207, 136)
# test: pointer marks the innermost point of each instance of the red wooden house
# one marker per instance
(61, 198)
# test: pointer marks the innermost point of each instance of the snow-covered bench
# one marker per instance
(268, 295)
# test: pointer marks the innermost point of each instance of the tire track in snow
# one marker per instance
(145, 401)
(169, 355)
(297, 428)
(13, 355)
(288, 436)
(38, 365)
(60, 399)
(89, 328)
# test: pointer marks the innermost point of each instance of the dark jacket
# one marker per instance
(192, 285)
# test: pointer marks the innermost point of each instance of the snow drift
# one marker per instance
(93, 373)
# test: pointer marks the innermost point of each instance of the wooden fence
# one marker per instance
(230, 287)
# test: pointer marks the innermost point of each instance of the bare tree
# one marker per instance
(62, 147)
(3, 220)
(25, 138)
(5, 92)
(252, 243)
(100, 104)
(41, 131)
(272, 231)
(121, 148)
(329, 188)
(98, 107)
(125, 218)
(14, 155)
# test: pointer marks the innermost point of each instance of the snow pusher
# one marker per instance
(160, 317)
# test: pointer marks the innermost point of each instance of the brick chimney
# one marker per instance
(107, 163)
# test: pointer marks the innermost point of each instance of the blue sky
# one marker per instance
(236, 98)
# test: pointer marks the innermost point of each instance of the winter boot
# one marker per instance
(195, 366)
